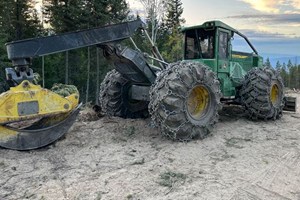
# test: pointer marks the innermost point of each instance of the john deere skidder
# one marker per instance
(183, 98)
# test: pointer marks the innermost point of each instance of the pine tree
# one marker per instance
(290, 74)
(70, 15)
(284, 75)
(18, 20)
(63, 15)
(173, 18)
(289, 65)
(298, 77)
(267, 63)
(171, 40)
(278, 66)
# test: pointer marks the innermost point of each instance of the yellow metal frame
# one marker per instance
(49, 103)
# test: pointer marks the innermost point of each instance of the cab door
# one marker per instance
(223, 49)
(223, 64)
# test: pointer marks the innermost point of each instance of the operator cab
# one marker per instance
(211, 40)
(212, 44)
(201, 41)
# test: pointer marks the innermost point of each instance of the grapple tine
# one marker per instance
(40, 134)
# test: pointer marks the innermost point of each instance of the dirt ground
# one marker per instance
(114, 158)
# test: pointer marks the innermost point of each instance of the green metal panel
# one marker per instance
(237, 73)
(227, 87)
(211, 63)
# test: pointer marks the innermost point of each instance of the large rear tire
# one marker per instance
(114, 98)
(184, 100)
(262, 94)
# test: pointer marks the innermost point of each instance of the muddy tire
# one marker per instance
(262, 94)
(114, 98)
(184, 100)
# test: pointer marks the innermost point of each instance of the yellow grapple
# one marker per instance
(29, 101)
(26, 102)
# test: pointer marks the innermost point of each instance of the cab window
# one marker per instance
(199, 44)
(223, 45)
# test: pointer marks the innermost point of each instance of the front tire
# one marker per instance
(114, 98)
(262, 94)
(184, 100)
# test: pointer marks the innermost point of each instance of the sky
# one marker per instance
(273, 26)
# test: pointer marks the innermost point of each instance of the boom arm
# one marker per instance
(21, 52)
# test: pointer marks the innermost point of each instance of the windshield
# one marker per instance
(199, 44)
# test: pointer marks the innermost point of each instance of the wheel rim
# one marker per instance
(274, 95)
(198, 102)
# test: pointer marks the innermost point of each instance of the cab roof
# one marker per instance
(210, 25)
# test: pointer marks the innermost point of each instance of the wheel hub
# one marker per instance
(274, 95)
(198, 102)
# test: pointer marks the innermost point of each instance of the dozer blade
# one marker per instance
(39, 134)
(290, 104)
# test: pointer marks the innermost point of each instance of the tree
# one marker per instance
(18, 20)
(284, 75)
(63, 15)
(174, 12)
(289, 67)
(70, 15)
(155, 13)
(278, 66)
(267, 63)
(171, 40)
(298, 77)
(290, 64)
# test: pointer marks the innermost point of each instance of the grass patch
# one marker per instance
(99, 196)
(129, 197)
(130, 131)
(139, 162)
(220, 156)
(2, 164)
(169, 179)
(265, 161)
(234, 142)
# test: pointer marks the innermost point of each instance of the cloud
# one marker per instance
(275, 6)
(272, 32)
(268, 36)
(263, 34)
(269, 6)
(272, 18)
(267, 42)
(296, 4)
